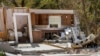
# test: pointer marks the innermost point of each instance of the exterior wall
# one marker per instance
(9, 19)
(20, 20)
(43, 19)
(1, 21)
(39, 20)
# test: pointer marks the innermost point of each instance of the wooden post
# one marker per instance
(4, 17)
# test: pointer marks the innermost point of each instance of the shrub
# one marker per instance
(2, 53)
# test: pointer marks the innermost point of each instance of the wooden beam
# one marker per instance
(4, 18)
(27, 9)
(3, 34)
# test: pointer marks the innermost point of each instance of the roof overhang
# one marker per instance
(51, 11)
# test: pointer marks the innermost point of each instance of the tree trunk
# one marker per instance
(95, 19)
(85, 17)
(15, 3)
(3, 5)
(23, 3)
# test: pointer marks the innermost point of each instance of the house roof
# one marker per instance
(51, 11)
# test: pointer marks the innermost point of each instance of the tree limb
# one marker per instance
(14, 2)
(23, 3)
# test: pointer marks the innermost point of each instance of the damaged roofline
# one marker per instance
(50, 11)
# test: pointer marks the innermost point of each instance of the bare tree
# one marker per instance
(14, 2)
(85, 17)
(23, 3)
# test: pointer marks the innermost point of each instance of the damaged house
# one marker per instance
(23, 25)
(44, 23)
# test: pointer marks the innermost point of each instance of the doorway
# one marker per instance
(22, 34)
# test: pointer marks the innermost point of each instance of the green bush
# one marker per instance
(2, 53)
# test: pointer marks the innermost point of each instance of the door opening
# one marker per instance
(25, 30)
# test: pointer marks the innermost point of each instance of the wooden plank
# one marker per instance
(4, 17)
(33, 19)
(3, 35)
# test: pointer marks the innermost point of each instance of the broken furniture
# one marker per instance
(83, 40)
(38, 34)
(42, 33)
(77, 42)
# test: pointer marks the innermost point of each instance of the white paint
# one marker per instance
(69, 45)
(55, 20)
(29, 25)
(50, 11)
